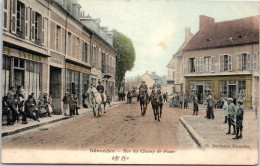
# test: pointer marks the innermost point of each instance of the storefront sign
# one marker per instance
(56, 58)
(29, 56)
(77, 68)
(6, 50)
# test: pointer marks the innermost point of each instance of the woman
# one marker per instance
(30, 108)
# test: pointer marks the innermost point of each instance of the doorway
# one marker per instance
(232, 92)
(200, 93)
(55, 89)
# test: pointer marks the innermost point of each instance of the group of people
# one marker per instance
(70, 104)
(15, 105)
(121, 96)
(234, 116)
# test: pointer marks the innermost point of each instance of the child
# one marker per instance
(239, 119)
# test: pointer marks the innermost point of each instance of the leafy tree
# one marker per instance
(125, 56)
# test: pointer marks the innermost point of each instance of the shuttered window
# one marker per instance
(32, 25)
(13, 16)
(6, 14)
(255, 61)
(230, 63)
(213, 61)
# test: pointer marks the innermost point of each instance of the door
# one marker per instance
(200, 93)
(55, 89)
(232, 92)
(18, 78)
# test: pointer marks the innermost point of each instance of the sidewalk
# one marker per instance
(18, 127)
(210, 133)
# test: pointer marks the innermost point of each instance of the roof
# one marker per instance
(226, 33)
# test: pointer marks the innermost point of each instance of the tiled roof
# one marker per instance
(227, 33)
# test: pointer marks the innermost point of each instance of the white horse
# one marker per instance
(96, 100)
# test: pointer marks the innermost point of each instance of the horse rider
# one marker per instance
(143, 86)
(100, 89)
(157, 85)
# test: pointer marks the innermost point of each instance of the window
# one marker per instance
(38, 27)
(255, 61)
(192, 65)
(6, 70)
(20, 19)
(225, 63)
(86, 52)
(78, 48)
(207, 88)
(69, 44)
(244, 61)
(58, 38)
(207, 64)
(224, 91)
(13, 16)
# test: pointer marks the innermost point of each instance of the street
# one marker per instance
(121, 127)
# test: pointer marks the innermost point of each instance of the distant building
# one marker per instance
(222, 58)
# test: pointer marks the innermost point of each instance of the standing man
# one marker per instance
(239, 119)
(65, 101)
(195, 105)
(210, 107)
(225, 109)
(231, 116)
(100, 89)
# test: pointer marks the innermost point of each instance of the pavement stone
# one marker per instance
(18, 127)
(209, 133)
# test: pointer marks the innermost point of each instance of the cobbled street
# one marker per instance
(120, 128)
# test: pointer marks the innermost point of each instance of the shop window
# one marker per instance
(224, 91)
(18, 63)
(6, 67)
(207, 88)
(192, 88)
(242, 90)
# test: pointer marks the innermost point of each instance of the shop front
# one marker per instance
(77, 80)
(237, 87)
(24, 69)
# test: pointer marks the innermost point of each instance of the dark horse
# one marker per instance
(157, 102)
(144, 100)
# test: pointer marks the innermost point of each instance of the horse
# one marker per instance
(144, 100)
(157, 103)
(96, 101)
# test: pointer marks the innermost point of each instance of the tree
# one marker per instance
(125, 56)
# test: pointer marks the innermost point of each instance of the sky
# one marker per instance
(157, 27)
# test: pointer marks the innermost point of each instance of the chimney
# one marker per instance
(187, 33)
(205, 21)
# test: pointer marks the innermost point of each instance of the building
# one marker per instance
(47, 49)
(222, 58)
(175, 67)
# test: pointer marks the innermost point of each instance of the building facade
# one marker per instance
(223, 59)
(175, 67)
(47, 49)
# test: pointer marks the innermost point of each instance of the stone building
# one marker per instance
(222, 58)
(47, 49)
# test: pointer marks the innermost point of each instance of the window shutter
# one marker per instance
(42, 31)
(6, 14)
(32, 25)
(195, 64)
(213, 59)
(248, 63)
(255, 61)
(239, 62)
(186, 65)
(221, 61)
(27, 14)
(210, 64)
(83, 51)
(23, 21)
(202, 63)
(13, 15)
(229, 62)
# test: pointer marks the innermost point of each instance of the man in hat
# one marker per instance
(144, 87)
(100, 89)
(210, 107)
(239, 119)
(157, 86)
(231, 116)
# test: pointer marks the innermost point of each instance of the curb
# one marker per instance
(31, 127)
(42, 124)
(194, 134)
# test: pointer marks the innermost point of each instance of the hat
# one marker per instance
(240, 102)
(230, 99)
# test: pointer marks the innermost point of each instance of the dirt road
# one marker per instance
(121, 127)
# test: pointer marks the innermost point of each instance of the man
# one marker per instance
(20, 94)
(46, 103)
(225, 109)
(10, 94)
(30, 109)
(157, 85)
(195, 105)
(144, 87)
(239, 119)
(65, 101)
(100, 89)
(210, 107)
(185, 102)
(231, 115)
